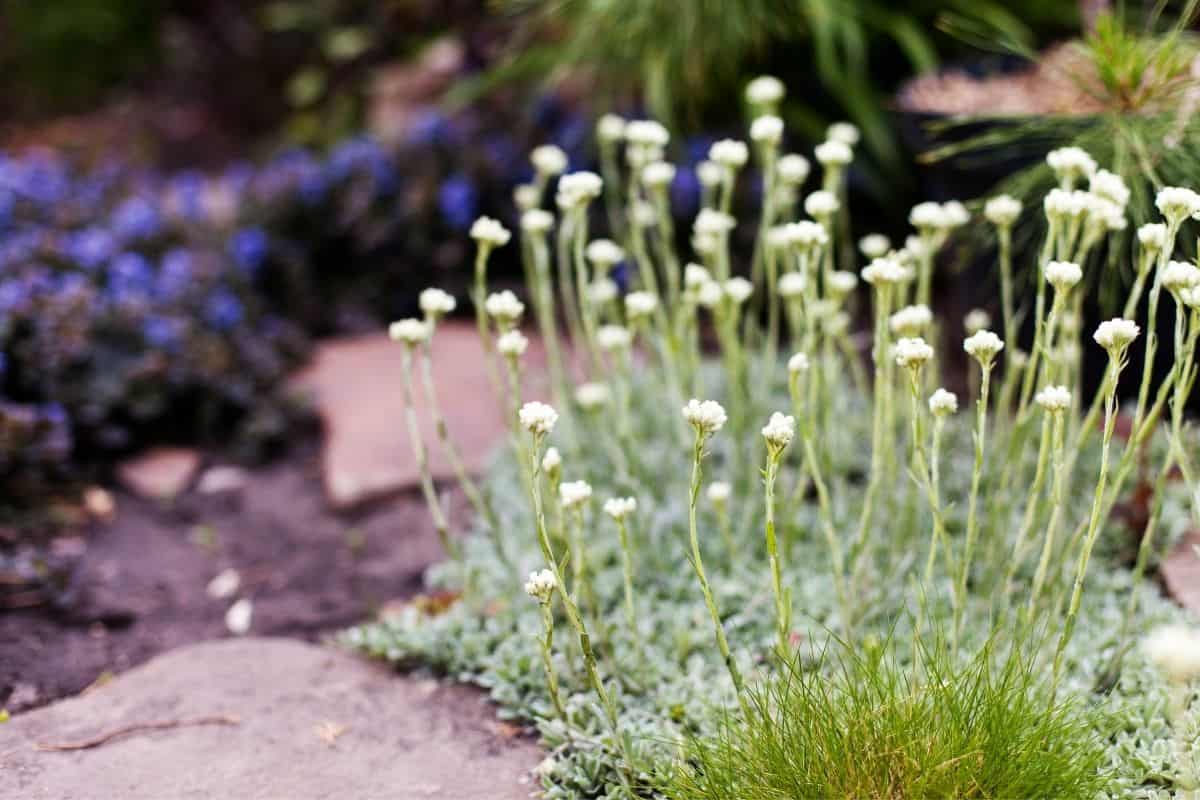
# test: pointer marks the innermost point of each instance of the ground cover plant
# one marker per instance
(795, 544)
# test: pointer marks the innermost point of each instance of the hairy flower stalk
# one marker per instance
(488, 235)
(1034, 499)
(718, 493)
(941, 405)
(1055, 400)
(1114, 336)
(535, 227)
(541, 587)
(620, 509)
(778, 435)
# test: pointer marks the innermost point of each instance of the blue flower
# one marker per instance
(685, 193)
(223, 310)
(91, 247)
(130, 274)
(175, 274)
(248, 248)
(162, 332)
(431, 128)
(136, 218)
(458, 201)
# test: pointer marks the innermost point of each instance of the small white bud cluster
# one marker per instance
(613, 338)
(874, 245)
(1063, 275)
(798, 363)
(602, 291)
(1054, 399)
(1062, 204)
(592, 395)
(541, 585)
(552, 462)
(778, 432)
(504, 307)
(1177, 204)
(886, 271)
(793, 169)
(706, 416)
(1002, 210)
(729, 153)
(718, 493)
(537, 418)
(537, 221)
(695, 276)
(1152, 237)
(1071, 164)
(1116, 334)
(640, 304)
(943, 403)
(709, 174)
(620, 507)
(833, 154)
(574, 494)
(489, 232)
(766, 130)
(912, 353)
(765, 90)
(976, 320)
(436, 303)
(1180, 276)
(821, 204)
(658, 175)
(549, 160)
(910, 321)
(930, 217)
(841, 283)
(610, 129)
(512, 344)
(738, 289)
(577, 189)
(983, 346)
(845, 132)
(604, 253)
(792, 285)
(1175, 649)
(410, 331)
(1109, 186)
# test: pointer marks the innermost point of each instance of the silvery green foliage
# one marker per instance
(677, 685)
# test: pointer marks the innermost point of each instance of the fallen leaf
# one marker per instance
(328, 731)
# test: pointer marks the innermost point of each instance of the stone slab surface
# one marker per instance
(1181, 572)
(357, 386)
(314, 722)
(160, 473)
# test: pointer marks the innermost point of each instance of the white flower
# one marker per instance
(738, 289)
(778, 237)
(1062, 275)
(610, 128)
(718, 492)
(490, 232)
(806, 234)
(1116, 334)
(1110, 186)
(705, 416)
(620, 507)
(729, 153)
(551, 461)
(797, 363)
(541, 585)
(927, 215)
(1175, 649)
(910, 320)
(1054, 398)
(658, 175)
(526, 196)
(912, 353)
(983, 346)
(710, 294)
(604, 253)
(976, 320)
(537, 221)
(642, 213)
(574, 494)
(709, 174)
(1177, 204)
(792, 284)
(504, 307)
(885, 272)
(833, 153)
(224, 584)
(695, 276)
(874, 245)
(1060, 203)
(778, 431)
(765, 90)
(821, 204)
(710, 222)
(578, 188)
(537, 418)
(410, 331)
(844, 132)
(1002, 210)
(793, 169)
(436, 303)
(767, 129)
(239, 616)
(549, 160)
(954, 214)
(943, 403)
(1105, 213)
(1071, 163)
(640, 304)
(1152, 236)
(1180, 275)
(591, 396)
(512, 344)
(1190, 297)
(646, 133)
(613, 337)
(841, 283)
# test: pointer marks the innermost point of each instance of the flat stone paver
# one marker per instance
(1181, 572)
(314, 722)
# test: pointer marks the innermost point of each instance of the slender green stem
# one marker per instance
(981, 406)
(783, 613)
(427, 486)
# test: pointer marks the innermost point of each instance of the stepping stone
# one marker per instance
(308, 722)
(357, 386)
(160, 473)
(1181, 572)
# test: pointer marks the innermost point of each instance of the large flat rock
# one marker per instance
(357, 385)
(314, 722)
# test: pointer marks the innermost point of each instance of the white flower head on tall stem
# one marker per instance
(1190, 297)
(778, 432)
(976, 320)
(718, 493)
(793, 169)
(1152, 237)
(821, 204)
(658, 175)
(1071, 164)
(604, 254)
(602, 291)
(765, 90)
(1176, 203)
(573, 494)
(798, 364)
(552, 462)
(792, 285)
(504, 307)
(1063, 275)
(640, 304)
(912, 353)
(410, 332)
(845, 132)
(695, 276)
(592, 396)
(943, 403)
(1115, 336)
(833, 154)
(738, 289)
(620, 507)
(1104, 214)
(841, 283)
(512, 344)
(647, 133)
(537, 221)
(549, 160)
(709, 174)
(541, 585)
(911, 321)
(806, 234)
(886, 271)
(642, 214)
(538, 418)
(1060, 204)
(706, 416)
(610, 128)
(1180, 275)
(710, 222)
(1175, 649)
(489, 232)
(1054, 399)
(526, 197)
(1002, 210)
(926, 216)
(710, 295)
(954, 215)
(436, 303)
(1110, 186)
(614, 338)
(576, 189)
(729, 153)
(766, 130)
(983, 346)
(874, 245)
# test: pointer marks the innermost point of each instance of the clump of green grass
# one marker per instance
(859, 725)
